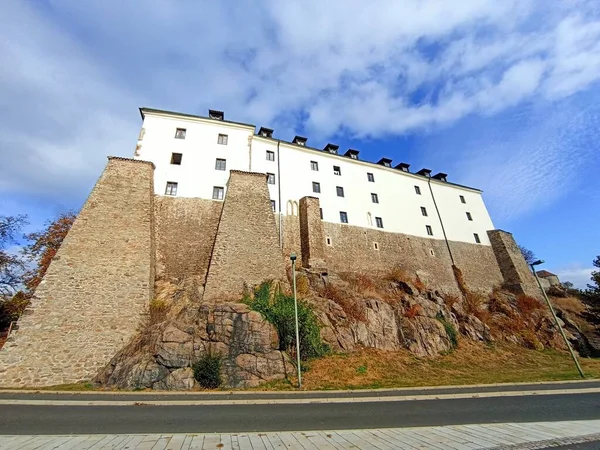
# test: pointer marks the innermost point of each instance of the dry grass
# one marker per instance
(352, 307)
(302, 286)
(398, 275)
(526, 305)
(412, 311)
(419, 285)
(450, 301)
(471, 364)
(157, 311)
(569, 304)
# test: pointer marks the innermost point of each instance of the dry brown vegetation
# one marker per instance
(412, 311)
(471, 364)
(353, 308)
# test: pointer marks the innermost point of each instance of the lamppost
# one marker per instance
(293, 258)
(562, 332)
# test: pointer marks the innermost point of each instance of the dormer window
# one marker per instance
(299, 140)
(441, 176)
(403, 167)
(424, 172)
(386, 162)
(331, 148)
(352, 153)
(216, 115)
(265, 132)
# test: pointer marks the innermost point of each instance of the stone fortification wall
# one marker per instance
(478, 265)
(185, 234)
(369, 250)
(93, 295)
(246, 250)
(291, 239)
(517, 274)
(311, 234)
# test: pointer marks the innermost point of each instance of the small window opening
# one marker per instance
(469, 216)
(429, 230)
(424, 211)
(328, 240)
(375, 245)
(343, 217)
(176, 158)
(379, 222)
(340, 191)
(477, 240)
(316, 187)
(271, 178)
(220, 164)
(270, 155)
(337, 170)
(418, 190)
(314, 165)
(222, 139)
(462, 199)
(218, 193)
(370, 177)
(171, 188)
(180, 133)
(374, 198)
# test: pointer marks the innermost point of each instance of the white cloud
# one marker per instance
(579, 276)
(74, 73)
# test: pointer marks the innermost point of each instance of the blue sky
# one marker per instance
(503, 96)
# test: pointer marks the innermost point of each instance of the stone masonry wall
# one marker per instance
(185, 234)
(517, 274)
(291, 239)
(311, 234)
(354, 249)
(478, 265)
(90, 301)
(246, 250)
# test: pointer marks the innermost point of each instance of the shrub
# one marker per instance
(473, 304)
(460, 280)
(158, 311)
(526, 304)
(278, 309)
(450, 330)
(207, 371)
(412, 311)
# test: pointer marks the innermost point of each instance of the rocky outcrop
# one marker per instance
(163, 354)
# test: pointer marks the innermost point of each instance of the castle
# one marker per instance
(211, 199)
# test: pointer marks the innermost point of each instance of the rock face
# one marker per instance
(162, 356)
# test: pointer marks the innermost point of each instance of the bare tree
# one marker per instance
(11, 265)
(529, 256)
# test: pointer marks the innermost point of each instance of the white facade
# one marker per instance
(399, 205)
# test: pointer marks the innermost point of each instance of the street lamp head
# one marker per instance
(538, 262)
(293, 256)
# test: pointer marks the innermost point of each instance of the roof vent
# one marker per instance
(217, 115)
(331, 148)
(387, 162)
(424, 172)
(265, 132)
(440, 176)
(404, 167)
(299, 140)
(352, 153)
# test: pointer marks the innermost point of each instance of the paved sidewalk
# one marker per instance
(535, 435)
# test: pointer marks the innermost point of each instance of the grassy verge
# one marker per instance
(470, 364)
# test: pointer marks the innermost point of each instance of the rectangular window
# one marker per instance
(270, 155)
(180, 133)
(379, 222)
(462, 199)
(343, 217)
(418, 190)
(321, 213)
(176, 158)
(314, 166)
(374, 198)
(171, 188)
(370, 177)
(273, 204)
(222, 139)
(424, 211)
(220, 164)
(316, 187)
(337, 170)
(271, 178)
(218, 193)
(469, 216)
(429, 230)
(340, 191)
(476, 236)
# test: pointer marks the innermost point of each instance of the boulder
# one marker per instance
(178, 380)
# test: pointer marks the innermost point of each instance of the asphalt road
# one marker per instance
(23, 419)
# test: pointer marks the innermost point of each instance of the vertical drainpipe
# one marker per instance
(279, 189)
(441, 221)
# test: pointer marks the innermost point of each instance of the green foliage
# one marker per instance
(278, 309)
(591, 295)
(362, 369)
(450, 330)
(207, 371)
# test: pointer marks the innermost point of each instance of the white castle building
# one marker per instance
(193, 156)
